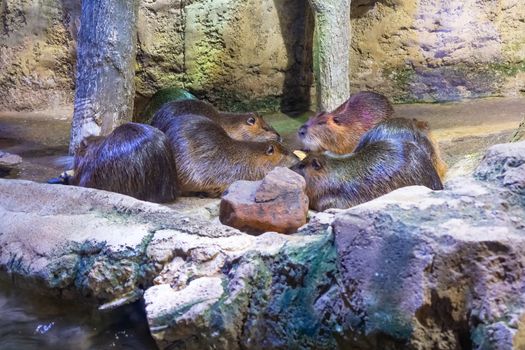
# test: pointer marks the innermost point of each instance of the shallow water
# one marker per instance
(42, 143)
(31, 321)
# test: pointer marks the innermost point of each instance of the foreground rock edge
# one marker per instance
(414, 269)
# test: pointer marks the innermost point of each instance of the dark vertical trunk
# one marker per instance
(105, 68)
(331, 52)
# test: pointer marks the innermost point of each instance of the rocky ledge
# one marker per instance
(414, 269)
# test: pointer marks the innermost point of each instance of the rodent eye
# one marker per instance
(316, 164)
(270, 150)
(251, 121)
(336, 120)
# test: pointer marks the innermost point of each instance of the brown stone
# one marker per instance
(277, 203)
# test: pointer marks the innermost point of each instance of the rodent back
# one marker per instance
(134, 159)
(174, 109)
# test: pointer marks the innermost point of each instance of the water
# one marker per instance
(41, 142)
(31, 321)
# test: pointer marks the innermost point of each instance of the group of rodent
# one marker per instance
(356, 153)
(189, 148)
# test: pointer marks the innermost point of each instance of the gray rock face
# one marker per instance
(414, 269)
(504, 164)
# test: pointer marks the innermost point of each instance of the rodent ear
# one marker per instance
(422, 125)
(251, 121)
(270, 150)
(316, 164)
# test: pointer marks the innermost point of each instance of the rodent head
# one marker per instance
(316, 170)
(275, 154)
(330, 132)
(250, 127)
(313, 168)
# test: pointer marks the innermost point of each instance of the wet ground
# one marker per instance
(41, 141)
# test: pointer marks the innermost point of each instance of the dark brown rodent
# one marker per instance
(208, 160)
(135, 159)
(339, 131)
(239, 126)
(394, 154)
(411, 130)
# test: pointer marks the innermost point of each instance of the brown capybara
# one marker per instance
(239, 126)
(413, 130)
(339, 131)
(208, 160)
(135, 159)
(394, 154)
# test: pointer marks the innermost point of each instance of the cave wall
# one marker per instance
(244, 54)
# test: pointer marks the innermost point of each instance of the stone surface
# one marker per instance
(504, 164)
(258, 54)
(37, 54)
(414, 269)
(277, 203)
(9, 160)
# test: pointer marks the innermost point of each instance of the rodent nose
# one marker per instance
(302, 131)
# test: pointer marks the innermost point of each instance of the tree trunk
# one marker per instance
(105, 68)
(331, 52)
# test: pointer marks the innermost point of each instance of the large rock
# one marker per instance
(415, 269)
(277, 203)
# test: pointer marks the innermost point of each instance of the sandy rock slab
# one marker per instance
(277, 203)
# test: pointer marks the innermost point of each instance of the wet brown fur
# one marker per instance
(394, 154)
(339, 131)
(208, 160)
(248, 126)
(135, 159)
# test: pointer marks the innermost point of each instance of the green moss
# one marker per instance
(305, 273)
(507, 69)
(235, 101)
(401, 77)
(449, 83)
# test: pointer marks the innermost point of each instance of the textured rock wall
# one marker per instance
(37, 53)
(439, 50)
(244, 54)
